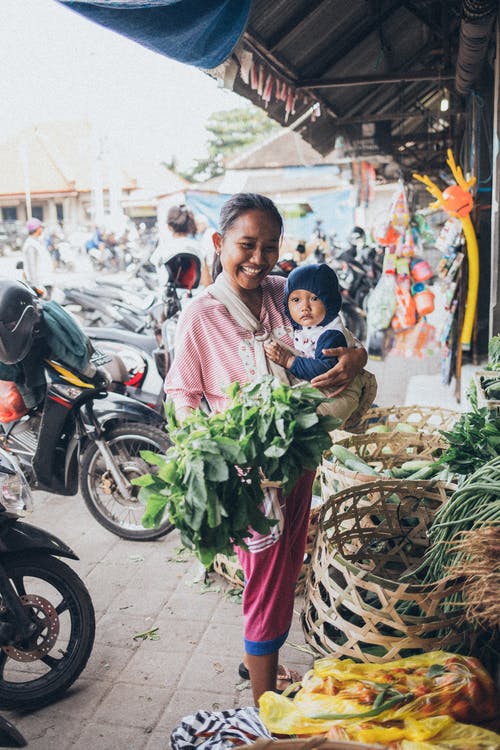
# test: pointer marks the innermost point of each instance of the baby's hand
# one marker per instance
(279, 354)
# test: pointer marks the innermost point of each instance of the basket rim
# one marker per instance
(309, 743)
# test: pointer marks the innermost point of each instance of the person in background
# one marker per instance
(219, 341)
(182, 239)
(96, 242)
(37, 263)
(53, 239)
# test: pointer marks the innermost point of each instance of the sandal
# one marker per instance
(285, 675)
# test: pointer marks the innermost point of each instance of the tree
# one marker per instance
(230, 132)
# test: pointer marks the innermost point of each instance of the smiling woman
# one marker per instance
(220, 340)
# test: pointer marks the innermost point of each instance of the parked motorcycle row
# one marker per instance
(85, 435)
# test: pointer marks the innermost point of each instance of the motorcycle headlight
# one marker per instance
(15, 494)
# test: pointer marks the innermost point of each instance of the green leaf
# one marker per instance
(154, 512)
(306, 420)
(152, 458)
(195, 482)
(144, 481)
(275, 450)
(168, 472)
(217, 469)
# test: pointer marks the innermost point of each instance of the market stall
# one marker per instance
(401, 600)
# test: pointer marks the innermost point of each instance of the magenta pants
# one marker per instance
(271, 575)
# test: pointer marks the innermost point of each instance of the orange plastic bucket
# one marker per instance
(424, 302)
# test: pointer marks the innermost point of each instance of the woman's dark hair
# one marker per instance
(240, 203)
(181, 220)
(233, 208)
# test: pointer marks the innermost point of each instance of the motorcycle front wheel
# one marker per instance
(38, 670)
(122, 515)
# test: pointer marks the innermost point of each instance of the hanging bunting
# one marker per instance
(254, 78)
(260, 85)
(268, 89)
(246, 61)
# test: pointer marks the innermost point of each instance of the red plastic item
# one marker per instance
(12, 405)
(421, 271)
(424, 302)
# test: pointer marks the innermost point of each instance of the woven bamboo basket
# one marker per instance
(309, 743)
(381, 451)
(230, 569)
(426, 419)
(356, 602)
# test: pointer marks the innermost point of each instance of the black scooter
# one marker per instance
(47, 621)
(84, 438)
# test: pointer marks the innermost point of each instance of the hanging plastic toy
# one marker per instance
(457, 201)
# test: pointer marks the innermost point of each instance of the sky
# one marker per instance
(57, 65)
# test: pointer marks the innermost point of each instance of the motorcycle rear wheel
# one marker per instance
(117, 514)
(38, 672)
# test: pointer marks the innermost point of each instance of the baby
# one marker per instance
(312, 302)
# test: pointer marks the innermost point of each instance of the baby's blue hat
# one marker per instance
(322, 281)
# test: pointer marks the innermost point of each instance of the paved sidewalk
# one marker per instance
(133, 693)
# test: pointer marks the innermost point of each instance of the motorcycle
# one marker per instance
(357, 277)
(138, 363)
(85, 438)
(106, 305)
(47, 620)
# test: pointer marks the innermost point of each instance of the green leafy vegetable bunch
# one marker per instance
(473, 440)
(209, 481)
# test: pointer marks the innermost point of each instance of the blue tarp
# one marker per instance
(335, 209)
(208, 204)
(202, 33)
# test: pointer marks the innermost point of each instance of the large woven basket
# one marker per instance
(428, 419)
(381, 451)
(356, 601)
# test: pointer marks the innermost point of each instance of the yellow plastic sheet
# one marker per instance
(409, 704)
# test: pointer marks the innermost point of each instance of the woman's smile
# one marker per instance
(249, 249)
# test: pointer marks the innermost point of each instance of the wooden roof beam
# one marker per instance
(389, 116)
(375, 80)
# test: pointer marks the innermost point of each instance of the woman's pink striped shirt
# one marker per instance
(212, 350)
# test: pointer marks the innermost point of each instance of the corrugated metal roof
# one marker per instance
(385, 62)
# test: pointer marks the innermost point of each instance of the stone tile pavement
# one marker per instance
(134, 692)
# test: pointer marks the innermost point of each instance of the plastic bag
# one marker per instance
(409, 699)
(405, 314)
(12, 405)
(381, 303)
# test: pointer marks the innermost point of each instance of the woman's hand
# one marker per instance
(351, 361)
